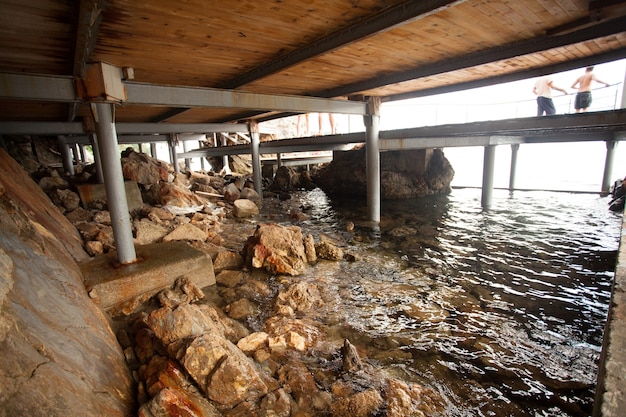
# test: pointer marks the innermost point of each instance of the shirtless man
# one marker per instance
(583, 97)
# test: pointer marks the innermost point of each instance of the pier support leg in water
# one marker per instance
(114, 182)
(608, 166)
(488, 170)
(255, 142)
(513, 171)
(372, 158)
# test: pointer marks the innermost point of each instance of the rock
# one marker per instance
(159, 215)
(276, 404)
(301, 296)
(289, 179)
(241, 309)
(223, 372)
(58, 354)
(252, 195)
(363, 404)
(79, 215)
(227, 260)
(243, 208)
(185, 321)
(404, 174)
(276, 248)
(175, 402)
(88, 230)
(106, 237)
(231, 193)
(102, 217)
(351, 359)
(143, 169)
(94, 248)
(309, 249)
(404, 399)
(253, 342)
(186, 232)
(147, 232)
(68, 198)
(54, 182)
(178, 199)
(183, 292)
(328, 251)
(229, 278)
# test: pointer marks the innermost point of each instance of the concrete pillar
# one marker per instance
(114, 182)
(279, 160)
(372, 158)
(514, 150)
(488, 172)
(255, 142)
(81, 151)
(608, 166)
(140, 147)
(153, 150)
(173, 152)
(96, 157)
(66, 156)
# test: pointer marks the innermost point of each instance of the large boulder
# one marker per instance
(278, 249)
(404, 174)
(142, 168)
(58, 355)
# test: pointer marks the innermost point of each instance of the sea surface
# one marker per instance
(501, 311)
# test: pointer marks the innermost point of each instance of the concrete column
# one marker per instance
(372, 158)
(488, 172)
(81, 152)
(279, 160)
(96, 157)
(608, 166)
(140, 147)
(514, 150)
(255, 141)
(66, 156)
(153, 150)
(173, 152)
(114, 182)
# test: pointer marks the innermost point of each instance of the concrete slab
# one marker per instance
(111, 285)
(96, 192)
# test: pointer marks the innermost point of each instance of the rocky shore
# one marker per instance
(252, 345)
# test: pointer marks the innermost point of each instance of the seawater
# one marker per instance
(501, 311)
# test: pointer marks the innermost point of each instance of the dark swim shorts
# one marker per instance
(583, 100)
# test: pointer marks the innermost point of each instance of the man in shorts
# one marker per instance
(583, 97)
(543, 89)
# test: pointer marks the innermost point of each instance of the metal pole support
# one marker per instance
(514, 151)
(255, 141)
(114, 182)
(372, 158)
(488, 172)
(608, 167)
(66, 156)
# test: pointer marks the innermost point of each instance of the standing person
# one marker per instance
(543, 89)
(583, 96)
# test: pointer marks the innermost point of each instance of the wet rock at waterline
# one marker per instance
(404, 174)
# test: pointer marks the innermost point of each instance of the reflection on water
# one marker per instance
(502, 311)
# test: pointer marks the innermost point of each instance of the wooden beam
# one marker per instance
(386, 20)
(542, 43)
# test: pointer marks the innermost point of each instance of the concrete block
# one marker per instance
(96, 192)
(110, 284)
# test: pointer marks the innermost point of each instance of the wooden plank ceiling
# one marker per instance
(326, 48)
